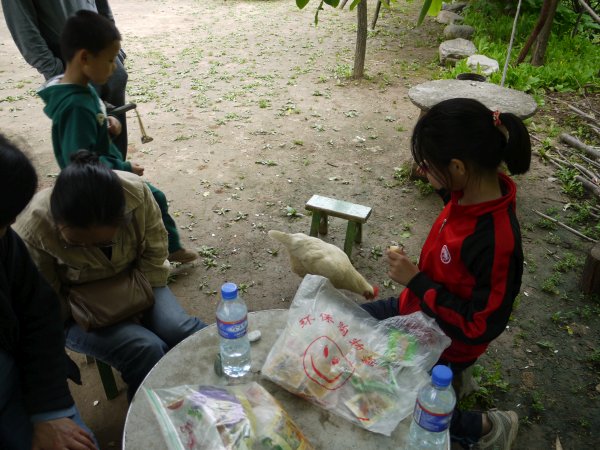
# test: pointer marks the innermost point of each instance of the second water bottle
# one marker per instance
(232, 323)
(433, 411)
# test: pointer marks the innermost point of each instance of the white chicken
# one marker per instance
(312, 255)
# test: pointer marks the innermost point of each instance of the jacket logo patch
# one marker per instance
(100, 118)
(445, 255)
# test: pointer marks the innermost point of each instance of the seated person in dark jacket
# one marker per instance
(36, 407)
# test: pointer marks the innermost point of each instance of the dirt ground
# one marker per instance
(252, 112)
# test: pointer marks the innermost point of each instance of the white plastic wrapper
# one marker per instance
(336, 355)
(241, 417)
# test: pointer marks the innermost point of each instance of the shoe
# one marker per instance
(505, 425)
(183, 256)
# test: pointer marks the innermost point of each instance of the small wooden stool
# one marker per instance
(356, 215)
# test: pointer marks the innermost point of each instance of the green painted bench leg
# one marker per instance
(108, 380)
(323, 224)
(351, 232)
(314, 224)
(358, 238)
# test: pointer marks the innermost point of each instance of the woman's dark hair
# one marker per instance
(89, 31)
(18, 181)
(465, 129)
(87, 194)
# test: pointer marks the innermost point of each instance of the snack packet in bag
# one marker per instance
(336, 355)
(241, 417)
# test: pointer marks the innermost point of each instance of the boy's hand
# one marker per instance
(61, 434)
(114, 126)
(137, 169)
(402, 270)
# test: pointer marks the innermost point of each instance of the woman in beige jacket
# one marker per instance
(81, 231)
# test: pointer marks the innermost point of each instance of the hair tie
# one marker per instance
(496, 118)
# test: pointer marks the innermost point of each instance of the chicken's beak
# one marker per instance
(371, 295)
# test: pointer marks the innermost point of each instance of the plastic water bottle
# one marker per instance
(433, 411)
(232, 322)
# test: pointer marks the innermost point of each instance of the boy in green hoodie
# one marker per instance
(90, 43)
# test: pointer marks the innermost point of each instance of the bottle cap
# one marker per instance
(441, 375)
(229, 291)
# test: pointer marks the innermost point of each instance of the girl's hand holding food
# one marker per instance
(401, 269)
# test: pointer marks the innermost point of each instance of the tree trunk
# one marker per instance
(539, 51)
(376, 15)
(574, 32)
(361, 41)
(590, 278)
(536, 31)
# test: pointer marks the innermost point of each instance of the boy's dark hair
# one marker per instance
(465, 129)
(89, 31)
(87, 194)
(18, 181)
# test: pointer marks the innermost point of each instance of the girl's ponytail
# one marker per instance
(517, 152)
(467, 130)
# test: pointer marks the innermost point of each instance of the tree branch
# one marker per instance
(566, 227)
(574, 142)
(536, 30)
(590, 11)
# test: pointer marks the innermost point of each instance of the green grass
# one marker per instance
(490, 382)
(550, 284)
(570, 64)
(567, 263)
(424, 187)
(570, 185)
(342, 71)
(537, 402)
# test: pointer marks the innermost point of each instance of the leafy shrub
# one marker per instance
(570, 63)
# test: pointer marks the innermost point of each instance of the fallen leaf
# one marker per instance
(545, 344)
(558, 444)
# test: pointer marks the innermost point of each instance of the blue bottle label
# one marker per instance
(435, 422)
(233, 330)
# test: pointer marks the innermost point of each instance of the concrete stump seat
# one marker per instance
(495, 97)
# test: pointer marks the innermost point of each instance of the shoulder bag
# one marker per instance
(111, 300)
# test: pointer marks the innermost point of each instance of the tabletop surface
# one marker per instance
(191, 362)
(495, 97)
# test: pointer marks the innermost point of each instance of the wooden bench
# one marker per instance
(356, 215)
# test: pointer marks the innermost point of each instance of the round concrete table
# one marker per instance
(191, 362)
(495, 97)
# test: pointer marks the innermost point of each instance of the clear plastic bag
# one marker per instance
(241, 417)
(336, 355)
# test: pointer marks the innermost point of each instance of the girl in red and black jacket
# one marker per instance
(471, 264)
